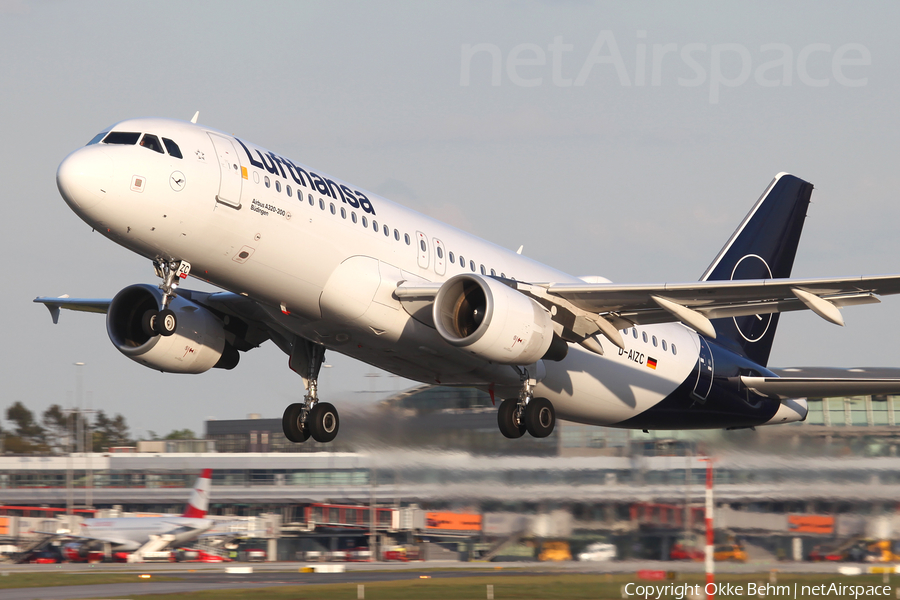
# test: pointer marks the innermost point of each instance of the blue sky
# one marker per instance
(594, 159)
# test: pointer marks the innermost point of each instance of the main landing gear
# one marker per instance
(309, 418)
(163, 322)
(526, 413)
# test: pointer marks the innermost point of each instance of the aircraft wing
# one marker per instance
(583, 309)
(639, 303)
(94, 305)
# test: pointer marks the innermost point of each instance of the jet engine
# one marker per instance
(492, 320)
(197, 345)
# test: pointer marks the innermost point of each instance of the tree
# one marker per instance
(181, 434)
(29, 435)
(56, 428)
(108, 432)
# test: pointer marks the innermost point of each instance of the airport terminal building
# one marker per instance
(643, 491)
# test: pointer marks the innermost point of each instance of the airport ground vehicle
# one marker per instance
(598, 551)
(555, 551)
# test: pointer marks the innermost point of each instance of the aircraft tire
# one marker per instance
(323, 422)
(166, 323)
(290, 424)
(506, 419)
(540, 418)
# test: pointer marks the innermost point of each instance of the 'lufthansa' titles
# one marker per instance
(282, 167)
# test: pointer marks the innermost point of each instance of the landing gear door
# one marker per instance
(705, 370)
(230, 171)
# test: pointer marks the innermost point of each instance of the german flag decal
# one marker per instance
(651, 362)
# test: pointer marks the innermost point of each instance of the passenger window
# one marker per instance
(311, 201)
(665, 348)
(343, 213)
(172, 148)
(353, 216)
(483, 272)
(126, 138)
(152, 142)
(634, 332)
(440, 252)
(331, 208)
(472, 265)
(654, 341)
(462, 261)
(267, 182)
(493, 273)
(374, 224)
(387, 232)
(503, 275)
(289, 190)
(365, 221)
(644, 336)
(452, 258)
(277, 186)
(406, 238)
(96, 139)
(321, 204)
(396, 235)
(422, 246)
(674, 350)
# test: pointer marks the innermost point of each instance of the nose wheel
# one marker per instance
(164, 322)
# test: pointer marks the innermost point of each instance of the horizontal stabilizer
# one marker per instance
(820, 387)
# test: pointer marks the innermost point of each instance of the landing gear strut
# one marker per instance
(310, 417)
(164, 322)
(526, 413)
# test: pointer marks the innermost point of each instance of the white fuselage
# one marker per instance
(324, 264)
(130, 533)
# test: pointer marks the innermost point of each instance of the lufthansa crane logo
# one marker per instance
(754, 327)
(177, 181)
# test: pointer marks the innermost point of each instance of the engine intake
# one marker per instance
(197, 345)
(492, 320)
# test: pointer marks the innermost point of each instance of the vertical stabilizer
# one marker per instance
(199, 502)
(762, 247)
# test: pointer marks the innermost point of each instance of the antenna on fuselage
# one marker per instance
(519, 251)
(194, 118)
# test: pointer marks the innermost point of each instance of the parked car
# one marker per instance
(732, 552)
(598, 551)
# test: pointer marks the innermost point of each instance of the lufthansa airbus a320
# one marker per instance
(314, 263)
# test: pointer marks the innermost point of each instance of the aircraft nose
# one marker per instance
(83, 178)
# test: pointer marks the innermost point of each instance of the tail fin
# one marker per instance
(199, 502)
(762, 247)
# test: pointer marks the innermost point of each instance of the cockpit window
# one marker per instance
(127, 138)
(172, 147)
(152, 142)
(96, 139)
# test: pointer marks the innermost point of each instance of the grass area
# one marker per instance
(21, 579)
(533, 587)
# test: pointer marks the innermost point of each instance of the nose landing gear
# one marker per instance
(164, 322)
(526, 413)
(310, 417)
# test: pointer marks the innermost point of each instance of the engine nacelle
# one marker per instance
(196, 346)
(492, 320)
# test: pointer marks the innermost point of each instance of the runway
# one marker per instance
(201, 577)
